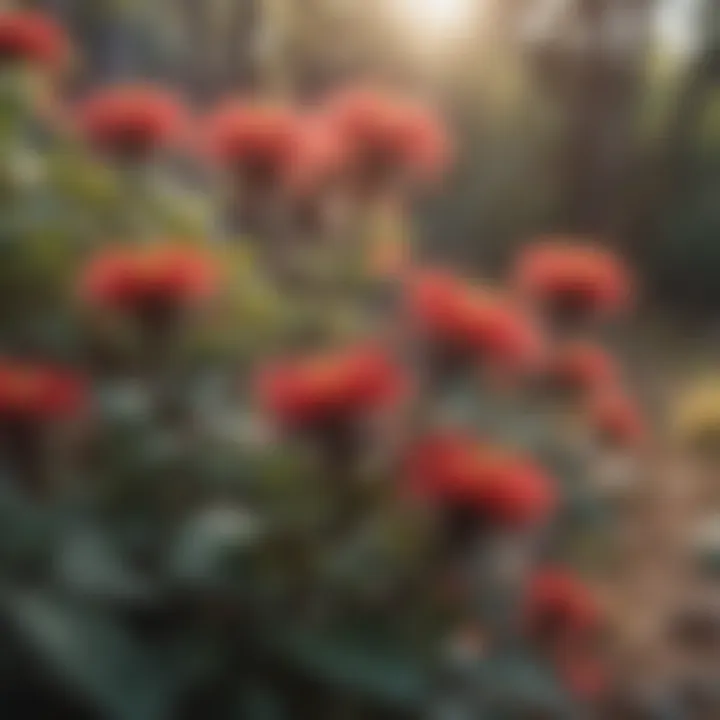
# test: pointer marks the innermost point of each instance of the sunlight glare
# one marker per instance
(434, 18)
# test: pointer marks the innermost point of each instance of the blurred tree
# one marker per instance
(593, 59)
(675, 220)
(701, 77)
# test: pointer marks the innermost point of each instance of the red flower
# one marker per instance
(133, 278)
(32, 37)
(390, 136)
(582, 368)
(582, 280)
(560, 607)
(259, 141)
(617, 420)
(39, 392)
(497, 485)
(466, 320)
(132, 121)
(332, 388)
(320, 158)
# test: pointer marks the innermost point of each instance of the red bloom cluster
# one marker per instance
(363, 134)
(559, 606)
(616, 419)
(258, 141)
(32, 37)
(336, 387)
(582, 368)
(131, 278)
(30, 392)
(591, 377)
(389, 136)
(131, 121)
(583, 280)
(320, 158)
(502, 487)
(473, 321)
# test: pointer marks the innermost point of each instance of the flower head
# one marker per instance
(616, 419)
(136, 278)
(559, 606)
(578, 280)
(475, 322)
(131, 121)
(389, 136)
(581, 369)
(258, 141)
(495, 485)
(320, 157)
(337, 387)
(32, 37)
(31, 392)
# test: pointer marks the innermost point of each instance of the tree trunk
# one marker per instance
(602, 101)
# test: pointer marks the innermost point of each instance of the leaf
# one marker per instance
(88, 564)
(179, 213)
(212, 546)
(517, 686)
(91, 653)
(78, 179)
(375, 670)
(27, 530)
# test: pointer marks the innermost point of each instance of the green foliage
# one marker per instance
(117, 675)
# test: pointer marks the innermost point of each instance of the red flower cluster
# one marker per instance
(502, 487)
(560, 607)
(258, 141)
(582, 369)
(584, 281)
(389, 136)
(319, 160)
(616, 419)
(473, 321)
(591, 377)
(332, 388)
(131, 121)
(362, 134)
(133, 278)
(32, 37)
(37, 393)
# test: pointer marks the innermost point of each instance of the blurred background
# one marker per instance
(597, 118)
(593, 116)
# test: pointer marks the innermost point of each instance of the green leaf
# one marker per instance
(516, 686)
(375, 669)
(92, 654)
(89, 565)
(212, 547)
